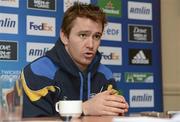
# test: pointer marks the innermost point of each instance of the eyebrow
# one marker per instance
(90, 32)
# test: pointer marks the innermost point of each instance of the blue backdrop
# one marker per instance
(130, 44)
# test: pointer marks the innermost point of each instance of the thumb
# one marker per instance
(110, 92)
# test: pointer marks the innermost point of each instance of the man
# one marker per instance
(71, 69)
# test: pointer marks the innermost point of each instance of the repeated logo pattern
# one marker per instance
(8, 50)
(130, 44)
(8, 23)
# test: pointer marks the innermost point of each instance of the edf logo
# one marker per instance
(42, 26)
(112, 31)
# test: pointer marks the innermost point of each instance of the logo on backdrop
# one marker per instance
(117, 76)
(69, 3)
(36, 50)
(49, 5)
(139, 77)
(113, 31)
(111, 7)
(8, 50)
(8, 23)
(10, 3)
(9, 75)
(139, 10)
(140, 57)
(141, 98)
(7, 78)
(140, 33)
(41, 26)
(111, 55)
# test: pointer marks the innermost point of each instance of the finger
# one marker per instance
(115, 104)
(109, 87)
(108, 92)
(109, 113)
(127, 105)
(113, 92)
(117, 98)
(125, 110)
(113, 109)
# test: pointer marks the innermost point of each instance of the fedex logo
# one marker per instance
(111, 55)
(112, 32)
(42, 26)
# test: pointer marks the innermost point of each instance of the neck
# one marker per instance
(82, 68)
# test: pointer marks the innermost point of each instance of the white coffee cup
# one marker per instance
(67, 108)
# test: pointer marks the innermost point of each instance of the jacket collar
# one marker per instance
(60, 57)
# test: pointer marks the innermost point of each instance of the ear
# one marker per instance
(64, 38)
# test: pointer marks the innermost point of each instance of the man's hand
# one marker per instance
(105, 103)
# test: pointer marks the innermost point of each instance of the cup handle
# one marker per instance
(57, 107)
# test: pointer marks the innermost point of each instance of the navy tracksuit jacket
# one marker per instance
(55, 76)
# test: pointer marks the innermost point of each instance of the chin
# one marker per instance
(86, 63)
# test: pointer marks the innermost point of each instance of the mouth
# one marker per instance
(89, 55)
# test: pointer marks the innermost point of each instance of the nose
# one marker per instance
(90, 42)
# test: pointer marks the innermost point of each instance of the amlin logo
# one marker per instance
(113, 31)
(139, 10)
(111, 55)
(9, 23)
(141, 98)
(36, 50)
(42, 26)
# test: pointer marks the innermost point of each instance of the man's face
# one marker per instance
(83, 41)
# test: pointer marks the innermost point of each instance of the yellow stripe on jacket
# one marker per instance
(35, 95)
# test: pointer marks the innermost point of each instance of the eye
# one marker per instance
(97, 37)
(83, 35)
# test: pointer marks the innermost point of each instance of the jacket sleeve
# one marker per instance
(38, 94)
(107, 73)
